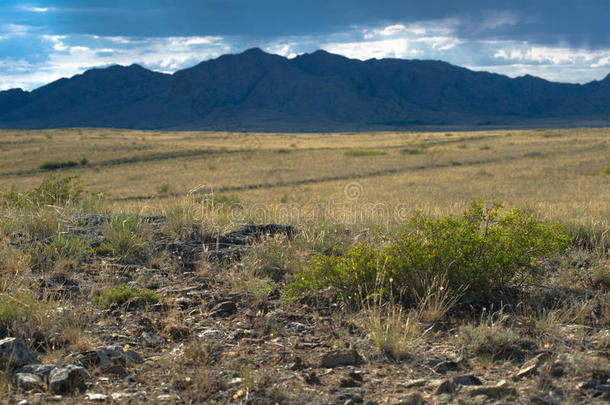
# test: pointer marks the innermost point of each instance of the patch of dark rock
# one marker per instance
(223, 309)
(341, 358)
(466, 380)
(14, 353)
(68, 378)
(414, 398)
(312, 379)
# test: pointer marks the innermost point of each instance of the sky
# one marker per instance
(559, 40)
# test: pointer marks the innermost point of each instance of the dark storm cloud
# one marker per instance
(565, 40)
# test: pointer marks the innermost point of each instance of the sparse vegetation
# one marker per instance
(357, 152)
(123, 294)
(221, 309)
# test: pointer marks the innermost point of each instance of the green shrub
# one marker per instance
(607, 169)
(124, 238)
(357, 152)
(480, 254)
(52, 191)
(122, 295)
(56, 164)
(164, 188)
(411, 151)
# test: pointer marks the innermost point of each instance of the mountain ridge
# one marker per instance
(255, 90)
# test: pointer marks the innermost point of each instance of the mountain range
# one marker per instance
(257, 91)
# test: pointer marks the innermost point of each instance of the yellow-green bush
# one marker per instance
(484, 251)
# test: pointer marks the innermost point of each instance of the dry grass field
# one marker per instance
(198, 267)
(556, 173)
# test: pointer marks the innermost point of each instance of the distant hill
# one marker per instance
(320, 91)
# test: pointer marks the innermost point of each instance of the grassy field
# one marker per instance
(196, 267)
(557, 173)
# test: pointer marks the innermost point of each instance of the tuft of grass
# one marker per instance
(607, 170)
(490, 339)
(124, 239)
(44, 256)
(359, 152)
(411, 151)
(20, 308)
(484, 147)
(122, 295)
(394, 332)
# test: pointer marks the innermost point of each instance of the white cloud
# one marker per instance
(35, 9)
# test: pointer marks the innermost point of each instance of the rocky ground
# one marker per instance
(212, 334)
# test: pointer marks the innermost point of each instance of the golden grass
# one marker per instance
(559, 176)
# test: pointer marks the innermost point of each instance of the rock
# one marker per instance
(96, 397)
(67, 378)
(466, 380)
(185, 303)
(531, 366)
(151, 339)
(211, 334)
(445, 366)
(497, 391)
(347, 394)
(40, 370)
(414, 398)
(109, 359)
(312, 379)
(349, 382)
(340, 358)
(14, 353)
(420, 382)
(446, 387)
(297, 364)
(29, 382)
(223, 309)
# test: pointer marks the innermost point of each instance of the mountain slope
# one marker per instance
(259, 91)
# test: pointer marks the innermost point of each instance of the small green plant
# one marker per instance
(222, 201)
(164, 188)
(357, 152)
(43, 256)
(19, 308)
(122, 295)
(52, 191)
(490, 339)
(483, 252)
(124, 239)
(607, 170)
(83, 161)
(485, 147)
(56, 164)
(411, 151)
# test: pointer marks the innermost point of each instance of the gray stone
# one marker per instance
(420, 382)
(40, 370)
(531, 366)
(446, 387)
(67, 378)
(466, 380)
(495, 391)
(151, 339)
(340, 358)
(14, 353)
(96, 397)
(223, 309)
(29, 382)
(109, 359)
(445, 366)
(414, 398)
